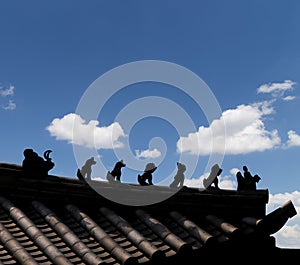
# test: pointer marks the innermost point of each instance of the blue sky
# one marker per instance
(247, 52)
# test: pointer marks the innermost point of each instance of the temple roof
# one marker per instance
(59, 220)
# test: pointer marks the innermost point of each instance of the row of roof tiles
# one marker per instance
(62, 221)
(36, 234)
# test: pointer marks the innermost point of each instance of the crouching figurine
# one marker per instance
(34, 166)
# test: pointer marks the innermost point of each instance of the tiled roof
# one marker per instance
(60, 220)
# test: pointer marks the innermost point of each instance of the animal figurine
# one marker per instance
(146, 177)
(115, 174)
(34, 166)
(179, 177)
(213, 177)
(86, 169)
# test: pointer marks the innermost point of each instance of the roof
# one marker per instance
(59, 220)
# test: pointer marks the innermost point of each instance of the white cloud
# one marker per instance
(276, 200)
(148, 153)
(194, 182)
(245, 133)
(227, 183)
(289, 98)
(276, 89)
(233, 171)
(294, 139)
(10, 106)
(75, 130)
(7, 92)
(289, 235)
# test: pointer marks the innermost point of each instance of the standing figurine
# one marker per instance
(115, 174)
(86, 169)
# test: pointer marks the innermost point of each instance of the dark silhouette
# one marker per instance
(179, 177)
(34, 166)
(146, 177)
(240, 181)
(115, 174)
(213, 177)
(246, 182)
(86, 171)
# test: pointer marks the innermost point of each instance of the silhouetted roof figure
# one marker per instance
(179, 177)
(115, 174)
(146, 177)
(213, 177)
(247, 174)
(35, 166)
(86, 170)
(246, 182)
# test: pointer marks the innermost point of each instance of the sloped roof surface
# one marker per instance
(63, 221)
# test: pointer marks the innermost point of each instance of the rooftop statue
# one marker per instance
(86, 170)
(146, 178)
(34, 166)
(213, 177)
(246, 182)
(179, 177)
(115, 174)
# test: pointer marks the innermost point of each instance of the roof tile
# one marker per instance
(99, 234)
(34, 233)
(164, 233)
(67, 235)
(193, 229)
